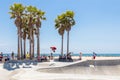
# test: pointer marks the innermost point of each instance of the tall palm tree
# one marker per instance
(39, 16)
(28, 21)
(61, 32)
(61, 29)
(31, 21)
(25, 32)
(16, 13)
(69, 22)
(65, 21)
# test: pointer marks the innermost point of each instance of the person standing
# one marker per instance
(51, 56)
(80, 55)
(94, 55)
(12, 55)
(1, 56)
(27, 56)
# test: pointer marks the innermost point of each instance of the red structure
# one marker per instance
(53, 48)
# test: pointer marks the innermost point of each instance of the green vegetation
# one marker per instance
(28, 21)
(63, 23)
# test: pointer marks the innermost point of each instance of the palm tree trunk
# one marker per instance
(38, 44)
(67, 42)
(30, 47)
(21, 47)
(33, 47)
(24, 48)
(18, 55)
(62, 45)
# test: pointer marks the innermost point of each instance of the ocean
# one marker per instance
(77, 54)
(90, 54)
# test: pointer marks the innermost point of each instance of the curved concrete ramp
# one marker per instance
(101, 67)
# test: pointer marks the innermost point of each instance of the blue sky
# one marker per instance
(97, 25)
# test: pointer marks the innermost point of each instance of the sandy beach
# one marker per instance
(105, 68)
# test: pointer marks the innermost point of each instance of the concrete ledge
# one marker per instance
(97, 63)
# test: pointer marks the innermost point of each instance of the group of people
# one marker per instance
(65, 57)
(68, 56)
(7, 56)
(4, 57)
(93, 56)
(45, 58)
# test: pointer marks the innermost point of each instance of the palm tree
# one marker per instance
(64, 22)
(25, 32)
(61, 32)
(28, 21)
(69, 22)
(31, 21)
(16, 13)
(61, 29)
(39, 17)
